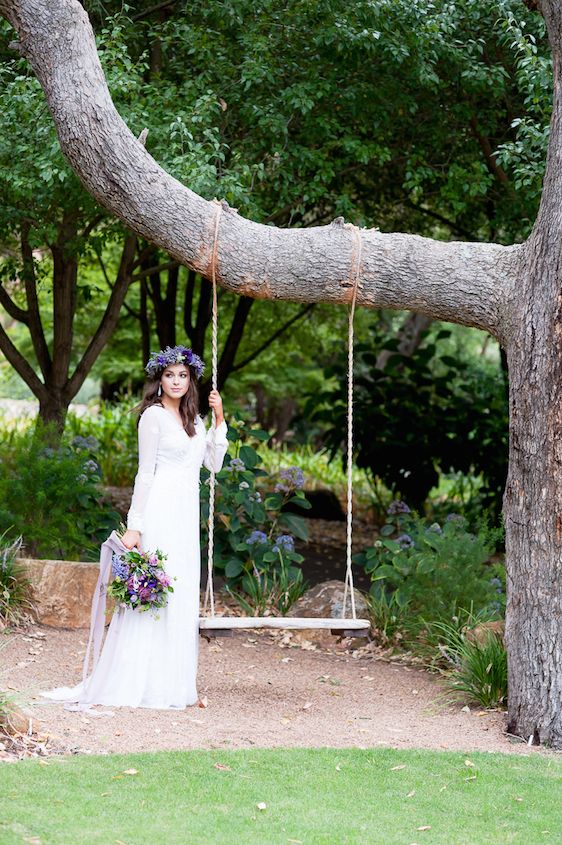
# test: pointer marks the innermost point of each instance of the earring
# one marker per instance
(159, 392)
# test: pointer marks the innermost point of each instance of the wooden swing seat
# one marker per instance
(223, 626)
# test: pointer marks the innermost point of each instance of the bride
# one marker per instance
(149, 662)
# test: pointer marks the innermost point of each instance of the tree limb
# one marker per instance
(15, 312)
(109, 319)
(273, 337)
(34, 315)
(21, 365)
(461, 282)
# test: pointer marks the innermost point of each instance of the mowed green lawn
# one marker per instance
(311, 796)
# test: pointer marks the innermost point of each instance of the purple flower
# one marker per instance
(435, 528)
(119, 568)
(293, 479)
(236, 465)
(396, 507)
(405, 541)
(284, 542)
(176, 355)
(256, 538)
(454, 517)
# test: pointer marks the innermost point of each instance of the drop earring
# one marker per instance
(159, 392)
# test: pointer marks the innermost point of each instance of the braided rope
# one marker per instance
(349, 571)
(209, 592)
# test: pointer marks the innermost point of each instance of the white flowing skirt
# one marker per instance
(148, 662)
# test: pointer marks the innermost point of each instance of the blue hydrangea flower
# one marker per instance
(119, 568)
(292, 479)
(496, 582)
(236, 465)
(405, 541)
(435, 528)
(284, 542)
(396, 507)
(256, 538)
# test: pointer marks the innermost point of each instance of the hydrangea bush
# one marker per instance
(430, 571)
(254, 537)
(51, 496)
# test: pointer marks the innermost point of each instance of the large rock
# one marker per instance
(325, 601)
(62, 592)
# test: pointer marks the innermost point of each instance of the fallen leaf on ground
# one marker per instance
(262, 805)
(469, 763)
(397, 768)
(307, 705)
(131, 772)
(424, 827)
(222, 767)
(203, 702)
(411, 794)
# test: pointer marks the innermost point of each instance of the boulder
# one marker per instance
(14, 720)
(325, 601)
(482, 631)
(62, 591)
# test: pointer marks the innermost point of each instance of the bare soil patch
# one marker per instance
(263, 689)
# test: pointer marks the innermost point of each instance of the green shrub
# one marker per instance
(115, 430)
(431, 571)
(51, 495)
(419, 415)
(254, 537)
(14, 585)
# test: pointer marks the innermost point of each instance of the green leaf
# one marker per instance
(233, 568)
(295, 524)
(249, 456)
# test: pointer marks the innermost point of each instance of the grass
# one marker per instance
(315, 797)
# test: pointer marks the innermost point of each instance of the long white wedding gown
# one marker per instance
(148, 662)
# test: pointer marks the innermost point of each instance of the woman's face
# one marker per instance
(175, 381)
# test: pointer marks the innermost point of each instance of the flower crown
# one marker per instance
(178, 355)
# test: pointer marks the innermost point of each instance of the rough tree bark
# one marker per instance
(512, 292)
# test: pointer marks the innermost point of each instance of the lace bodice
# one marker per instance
(165, 446)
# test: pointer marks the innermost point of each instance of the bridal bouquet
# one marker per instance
(139, 580)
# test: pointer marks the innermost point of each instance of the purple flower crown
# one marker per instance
(178, 355)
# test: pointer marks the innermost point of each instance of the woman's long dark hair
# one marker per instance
(189, 403)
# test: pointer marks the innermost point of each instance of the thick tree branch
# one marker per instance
(461, 282)
(15, 312)
(109, 319)
(22, 366)
(34, 315)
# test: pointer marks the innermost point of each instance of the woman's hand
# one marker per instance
(215, 402)
(130, 539)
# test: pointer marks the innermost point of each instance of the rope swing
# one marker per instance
(212, 625)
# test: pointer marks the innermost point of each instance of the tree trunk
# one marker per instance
(511, 292)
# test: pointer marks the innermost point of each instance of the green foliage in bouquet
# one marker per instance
(52, 495)
(254, 536)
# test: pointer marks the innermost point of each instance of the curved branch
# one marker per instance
(460, 282)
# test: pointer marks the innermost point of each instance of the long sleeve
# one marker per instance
(221, 446)
(149, 433)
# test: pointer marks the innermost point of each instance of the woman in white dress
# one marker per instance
(148, 661)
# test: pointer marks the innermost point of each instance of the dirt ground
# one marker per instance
(262, 689)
